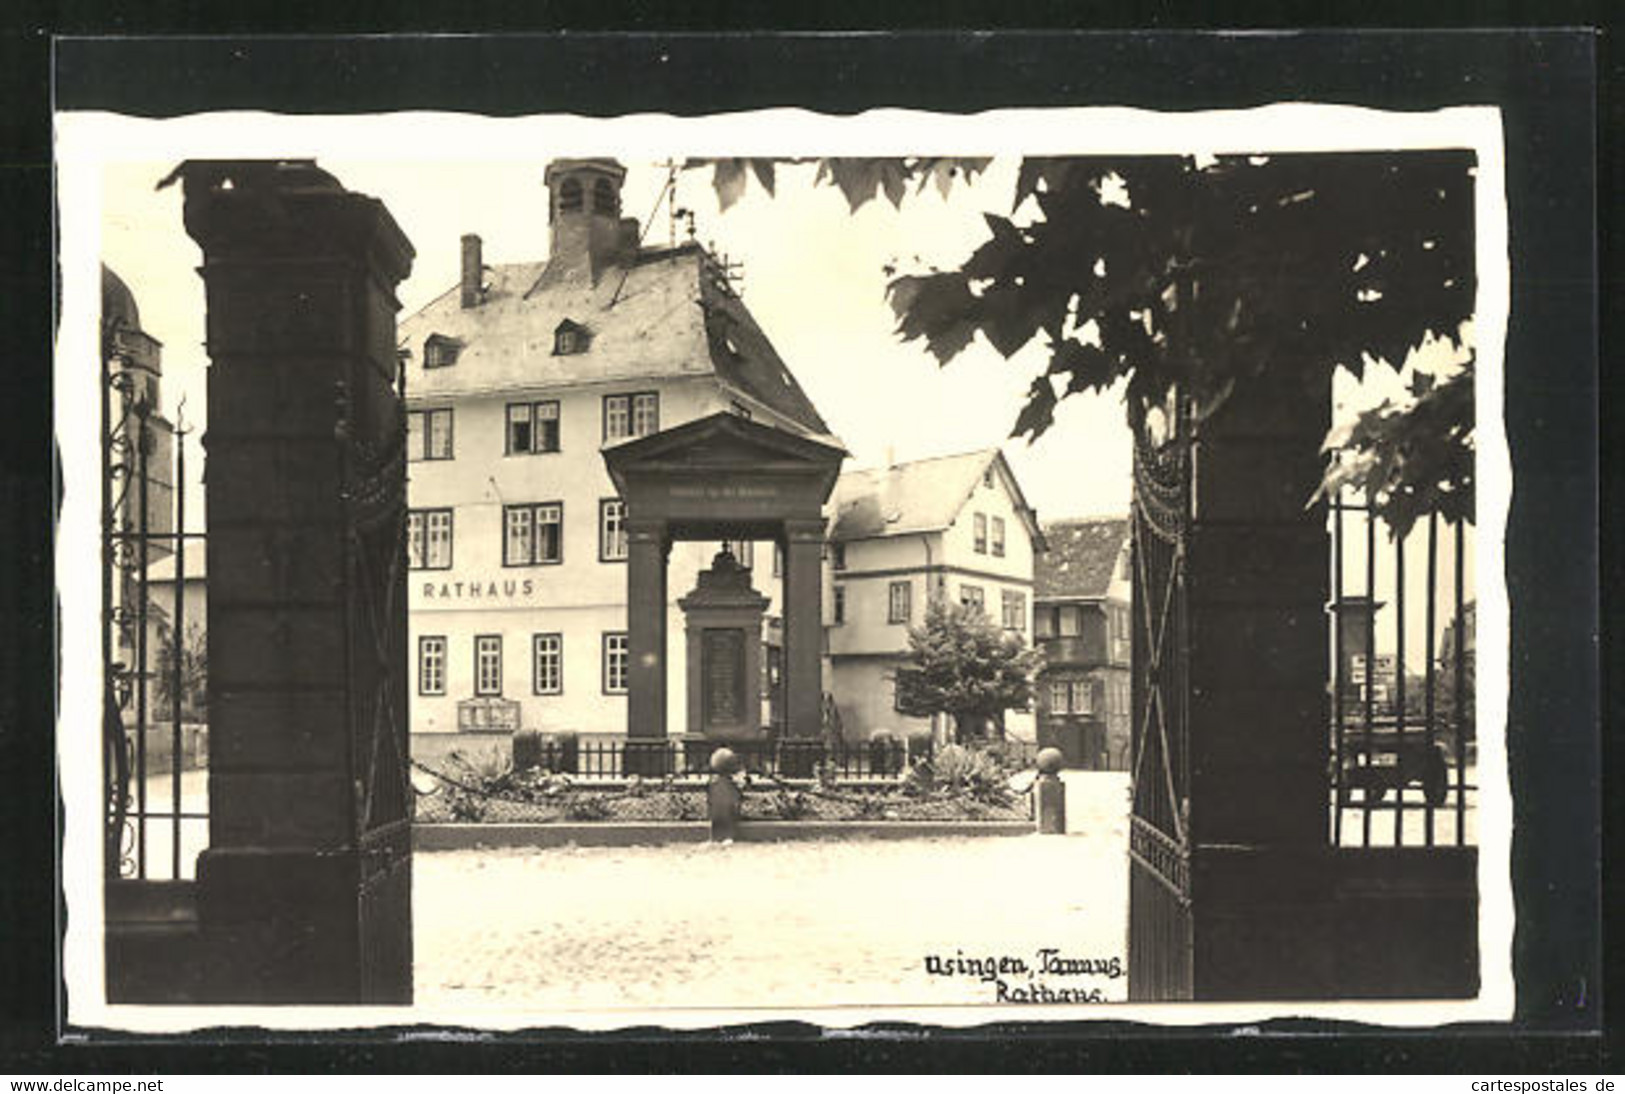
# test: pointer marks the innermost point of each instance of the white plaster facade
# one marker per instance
(657, 323)
(915, 526)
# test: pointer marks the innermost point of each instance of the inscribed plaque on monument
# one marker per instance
(723, 673)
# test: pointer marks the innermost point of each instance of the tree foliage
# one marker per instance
(1170, 271)
(193, 655)
(963, 665)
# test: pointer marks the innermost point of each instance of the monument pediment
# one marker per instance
(723, 443)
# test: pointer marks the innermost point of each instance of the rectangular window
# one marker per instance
(428, 435)
(645, 414)
(631, 415)
(533, 535)
(432, 664)
(615, 660)
(1058, 693)
(971, 597)
(998, 537)
(617, 417)
(778, 560)
(428, 539)
(488, 664)
(1043, 622)
(979, 533)
(1069, 621)
(439, 352)
(1083, 697)
(533, 428)
(1013, 610)
(547, 660)
(840, 604)
(899, 603)
(1121, 639)
(611, 530)
(838, 555)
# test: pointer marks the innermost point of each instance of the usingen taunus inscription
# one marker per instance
(1021, 979)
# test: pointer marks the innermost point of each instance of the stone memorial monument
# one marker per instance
(723, 620)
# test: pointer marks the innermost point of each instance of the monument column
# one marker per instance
(304, 894)
(803, 627)
(647, 545)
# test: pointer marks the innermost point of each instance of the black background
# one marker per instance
(1543, 80)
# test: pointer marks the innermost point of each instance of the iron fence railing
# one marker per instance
(154, 735)
(1403, 746)
(843, 761)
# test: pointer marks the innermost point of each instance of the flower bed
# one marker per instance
(958, 788)
(594, 804)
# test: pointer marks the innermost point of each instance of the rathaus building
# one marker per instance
(519, 377)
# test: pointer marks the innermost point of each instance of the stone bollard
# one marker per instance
(722, 795)
(1051, 793)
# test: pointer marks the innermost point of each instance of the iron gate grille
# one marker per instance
(153, 739)
(372, 433)
(1403, 744)
(1160, 940)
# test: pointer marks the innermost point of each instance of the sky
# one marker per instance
(813, 275)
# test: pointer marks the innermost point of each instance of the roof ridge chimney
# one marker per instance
(473, 279)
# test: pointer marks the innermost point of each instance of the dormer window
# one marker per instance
(570, 337)
(440, 351)
(570, 196)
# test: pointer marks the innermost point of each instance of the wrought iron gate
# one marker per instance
(1160, 927)
(372, 434)
(151, 739)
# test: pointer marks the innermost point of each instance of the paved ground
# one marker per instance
(159, 830)
(785, 924)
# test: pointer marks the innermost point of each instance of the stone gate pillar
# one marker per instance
(304, 892)
(1256, 581)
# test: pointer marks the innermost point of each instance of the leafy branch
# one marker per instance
(1170, 272)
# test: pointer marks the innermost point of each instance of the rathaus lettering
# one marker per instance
(476, 590)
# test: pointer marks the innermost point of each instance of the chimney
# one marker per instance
(584, 209)
(890, 504)
(473, 271)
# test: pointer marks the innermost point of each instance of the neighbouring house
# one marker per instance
(140, 454)
(952, 527)
(190, 565)
(1081, 622)
(518, 377)
(135, 365)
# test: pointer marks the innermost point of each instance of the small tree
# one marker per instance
(963, 665)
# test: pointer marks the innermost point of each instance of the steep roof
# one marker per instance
(659, 316)
(918, 496)
(1081, 557)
